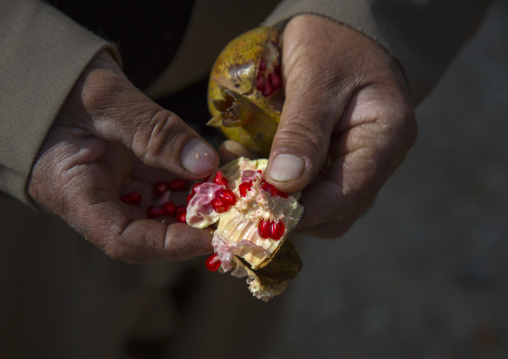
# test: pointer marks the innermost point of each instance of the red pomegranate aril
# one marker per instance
(268, 87)
(155, 211)
(281, 194)
(213, 262)
(244, 188)
(260, 82)
(133, 198)
(220, 179)
(219, 205)
(270, 188)
(227, 196)
(264, 229)
(169, 208)
(160, 188)
(277, 230)
(181, 214)
(275, 80)
(262, 64)
(274, 192)
(190, 196)
(178, 185)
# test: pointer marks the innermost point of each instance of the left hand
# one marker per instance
(346, 124)
(108, 140)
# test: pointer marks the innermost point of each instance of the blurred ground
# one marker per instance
(424, 274)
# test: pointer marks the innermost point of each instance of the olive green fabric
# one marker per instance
(43, 53)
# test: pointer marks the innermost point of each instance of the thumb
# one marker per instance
(117, 111)
(314, 102)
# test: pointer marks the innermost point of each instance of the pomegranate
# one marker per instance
(133, 198)
(252, 222)
(168, 200)
(245, 90)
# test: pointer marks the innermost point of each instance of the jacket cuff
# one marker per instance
(43, 54)
(423, 36)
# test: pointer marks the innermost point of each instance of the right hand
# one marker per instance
(108, 138)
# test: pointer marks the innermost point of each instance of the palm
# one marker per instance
(86, 163)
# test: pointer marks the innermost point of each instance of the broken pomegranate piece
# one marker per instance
(252, 218)
(246, 89)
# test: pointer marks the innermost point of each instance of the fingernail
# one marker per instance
(198, 157)
(286, 167)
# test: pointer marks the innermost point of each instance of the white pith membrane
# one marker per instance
(236, 239)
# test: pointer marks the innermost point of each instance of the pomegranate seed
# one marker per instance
(178, 185)
(220, 179)
(133, 198)
(277, 230)
(155, 211)
(260, 82)
(244, 188)
(270, 188)
(213, 262)
(275, 80)
(219, 205)
(268, 88)
(181, 214)
(189, 197)
(264, 229)
(169, 208)
(281, 194)
(160, 188)
(262, 65)
(274, 192)
(227, 196)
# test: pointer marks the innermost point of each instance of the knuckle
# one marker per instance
(153, 135)
(399, 126)
(302, 136)
(113, 251)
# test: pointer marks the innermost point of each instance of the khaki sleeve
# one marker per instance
(424, 36)
(42, 55)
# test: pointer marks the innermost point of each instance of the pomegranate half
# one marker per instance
(245, 90)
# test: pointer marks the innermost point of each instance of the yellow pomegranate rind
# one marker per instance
(233, 81)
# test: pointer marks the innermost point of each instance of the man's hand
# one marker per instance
(107, 140)
(347, 122)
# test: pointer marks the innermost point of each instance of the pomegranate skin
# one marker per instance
(240, 108)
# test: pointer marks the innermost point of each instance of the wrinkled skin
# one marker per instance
(347, 123)
(86, 163)
(346, 100)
